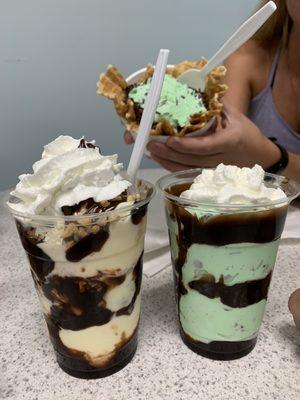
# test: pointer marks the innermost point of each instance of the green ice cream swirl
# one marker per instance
(176, 104)
(208, 319)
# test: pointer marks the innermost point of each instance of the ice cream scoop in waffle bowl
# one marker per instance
(115, 87)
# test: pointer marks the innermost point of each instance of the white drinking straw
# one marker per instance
(148, 114)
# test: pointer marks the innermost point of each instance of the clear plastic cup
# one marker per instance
(223, 257)
(87, 271)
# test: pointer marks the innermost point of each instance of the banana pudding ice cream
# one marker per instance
(84, 237)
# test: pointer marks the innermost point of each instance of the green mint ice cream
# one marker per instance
(223, 248)
(177, 101)
(234, 264)
(209, 320)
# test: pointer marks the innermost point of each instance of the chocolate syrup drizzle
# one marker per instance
(220, 230)
(89, 244)
(83, 144)
(236, 296)
(89, 206)
(40, 263)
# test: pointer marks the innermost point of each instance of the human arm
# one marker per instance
(247, 74)
(240, 143)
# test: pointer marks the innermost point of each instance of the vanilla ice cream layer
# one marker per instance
(100, 341)
(121, 295)
(119, 253)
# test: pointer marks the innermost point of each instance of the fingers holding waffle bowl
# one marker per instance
(181, 110)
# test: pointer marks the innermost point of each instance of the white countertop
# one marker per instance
(163, 367)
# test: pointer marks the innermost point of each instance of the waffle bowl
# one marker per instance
(114, 86)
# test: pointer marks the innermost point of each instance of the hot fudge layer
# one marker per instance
(85, 258)
(223, 264)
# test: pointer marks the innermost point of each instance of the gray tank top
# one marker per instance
(262, 111)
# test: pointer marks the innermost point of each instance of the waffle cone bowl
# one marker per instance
(115, 87)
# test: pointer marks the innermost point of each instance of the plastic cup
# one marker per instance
(87, 271)
(223, 257)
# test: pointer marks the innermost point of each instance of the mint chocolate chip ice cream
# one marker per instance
(224, 231)
(176, 104)
(84, 238)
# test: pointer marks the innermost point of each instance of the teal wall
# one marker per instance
(52, 52)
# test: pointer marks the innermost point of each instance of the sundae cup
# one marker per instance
(224, 227)
(83, 234)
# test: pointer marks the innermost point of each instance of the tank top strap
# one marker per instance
(274, 68)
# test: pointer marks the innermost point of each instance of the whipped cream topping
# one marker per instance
(71, 170)
(228, 184)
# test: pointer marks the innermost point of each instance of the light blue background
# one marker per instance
(52, 52)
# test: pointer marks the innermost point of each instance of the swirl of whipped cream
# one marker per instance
(70, 171)
(228, 184)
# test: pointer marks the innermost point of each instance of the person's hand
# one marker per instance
(294, 307)
(128, 138)
(236, 141)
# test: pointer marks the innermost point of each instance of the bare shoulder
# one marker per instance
(252, 48)
(251, 63)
